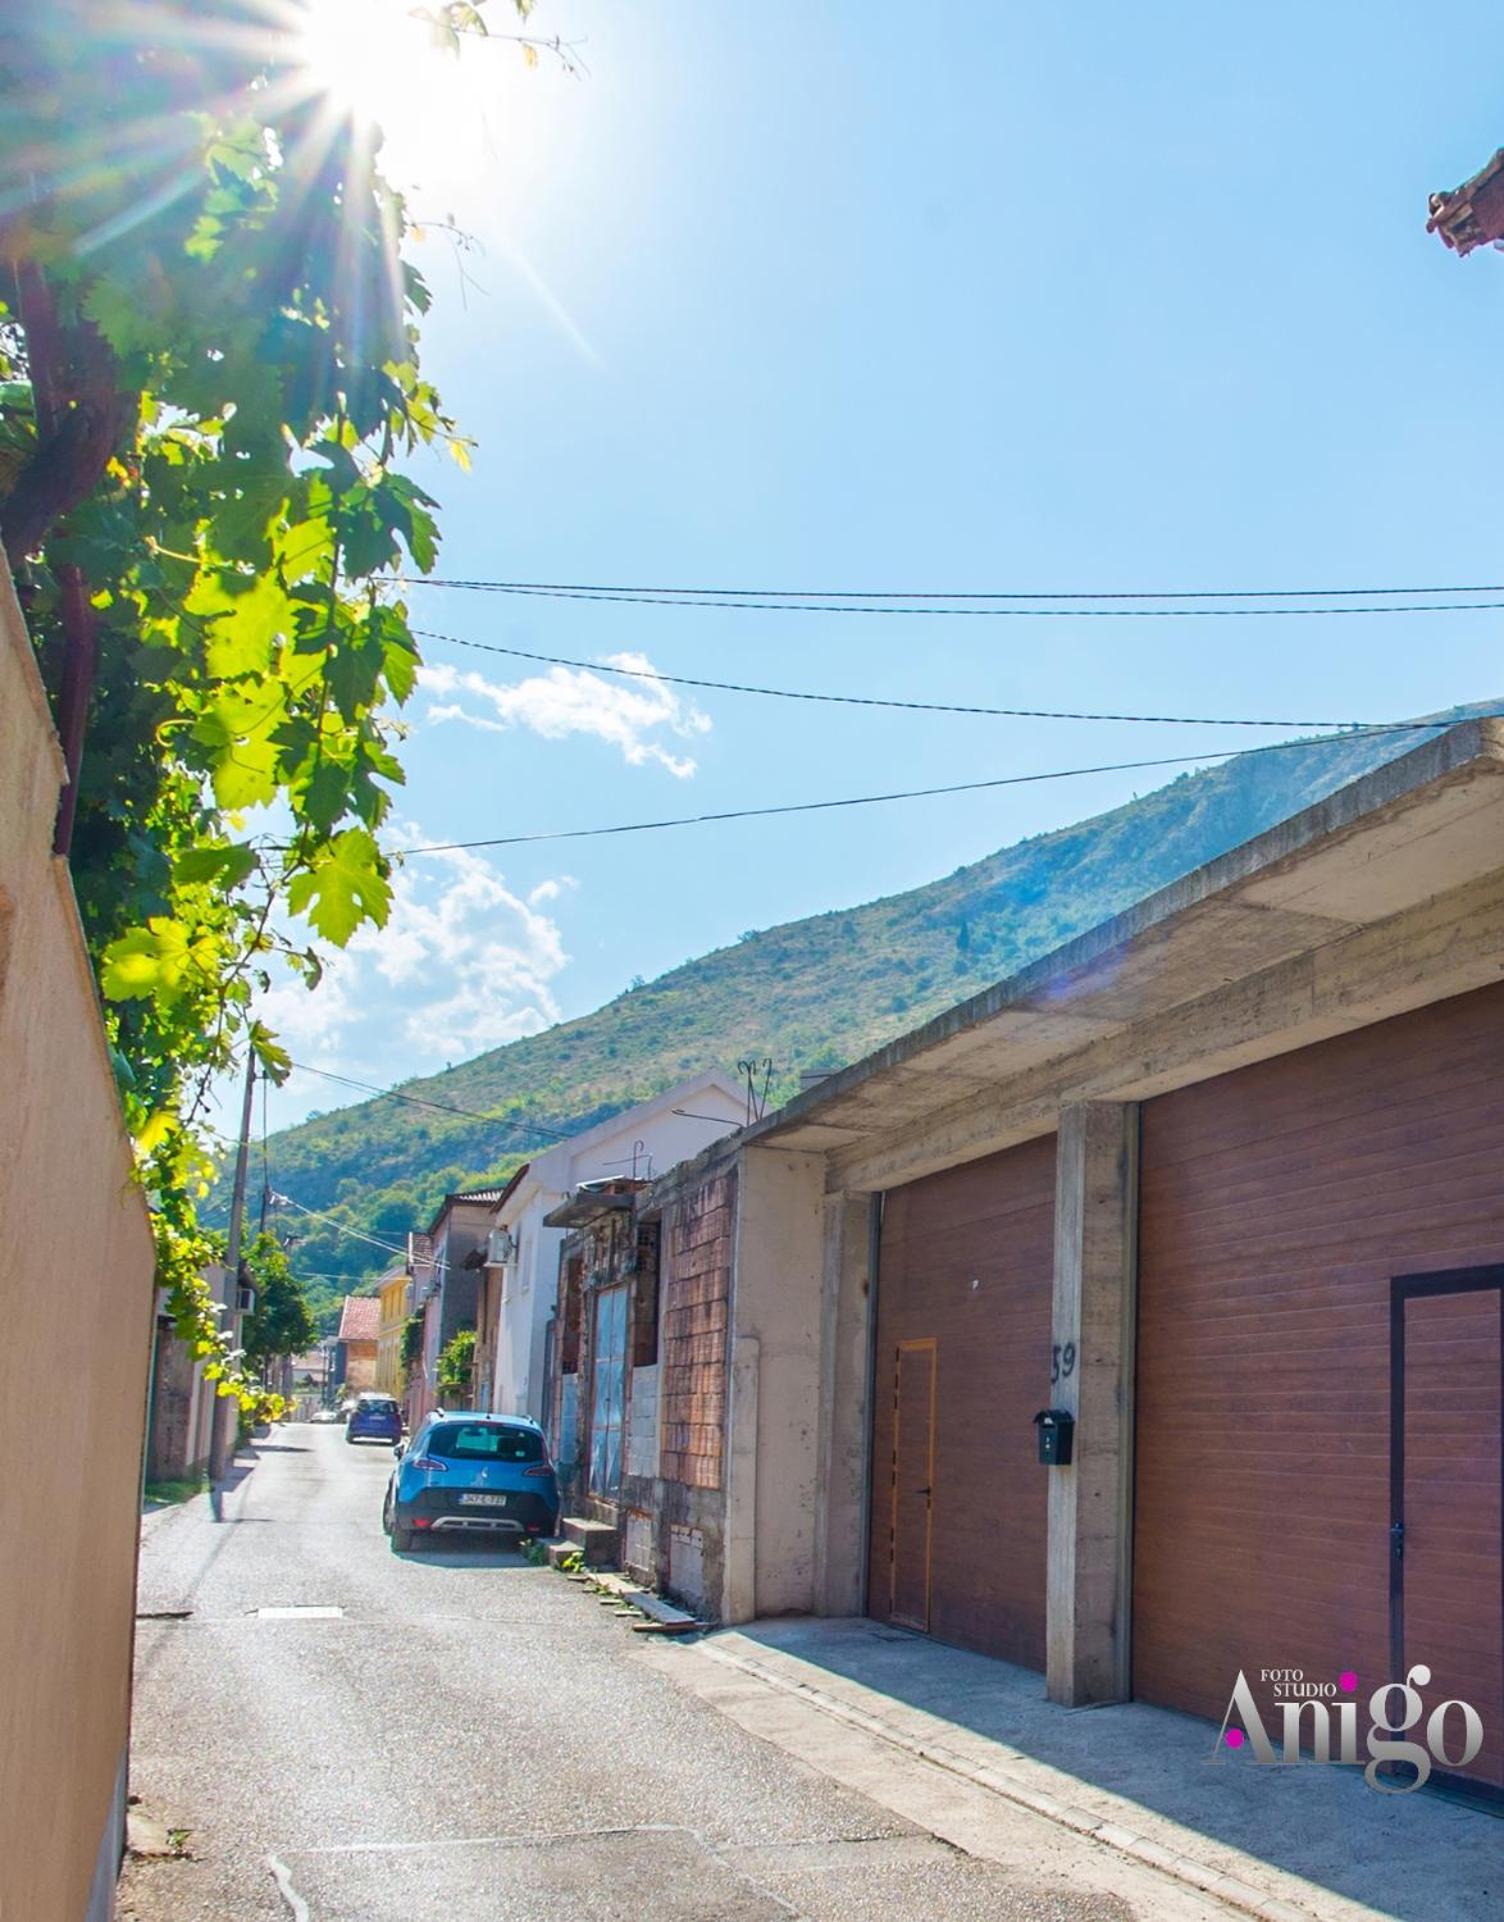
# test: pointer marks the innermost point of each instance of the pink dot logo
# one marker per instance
(1234, 1738)
(1347, 1681)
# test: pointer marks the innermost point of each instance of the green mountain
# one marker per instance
(811, 994)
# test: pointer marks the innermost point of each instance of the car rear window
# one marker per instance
(382, 1408)
(484, 1441)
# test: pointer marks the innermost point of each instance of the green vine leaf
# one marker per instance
(344, 885)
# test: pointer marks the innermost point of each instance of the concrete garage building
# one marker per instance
(1223, 1181)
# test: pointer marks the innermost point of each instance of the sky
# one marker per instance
(869, 297)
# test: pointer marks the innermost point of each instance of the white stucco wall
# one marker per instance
(530, 1285)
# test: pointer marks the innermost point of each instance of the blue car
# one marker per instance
(472, 1474)
(374, 1418)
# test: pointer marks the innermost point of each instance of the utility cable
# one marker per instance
(989, 609)
(873, 700)
(955, 594)
(286, 1201)
(439, 1107)
(872, 800)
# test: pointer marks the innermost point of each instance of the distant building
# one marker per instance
(182, 1399)
(355, 1344)
(393, 1295)
(519, 1300)
(446, 1266)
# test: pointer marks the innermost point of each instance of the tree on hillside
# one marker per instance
(282, 1322)
(209, 382)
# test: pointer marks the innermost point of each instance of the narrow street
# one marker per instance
(471, 1738)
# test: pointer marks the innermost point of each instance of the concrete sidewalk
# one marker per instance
(1304, 1842)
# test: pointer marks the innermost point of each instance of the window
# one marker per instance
(645, 1296)
(488, 1441)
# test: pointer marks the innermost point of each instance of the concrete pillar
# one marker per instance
(847, 1301)
(739, 1597)
(775, 1315)
(1091, 1501)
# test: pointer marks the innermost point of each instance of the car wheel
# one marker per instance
(402, 1538)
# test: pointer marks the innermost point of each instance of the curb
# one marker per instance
(1283, 1898)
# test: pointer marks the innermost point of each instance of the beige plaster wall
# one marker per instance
(76, 1305)
(775, 1385)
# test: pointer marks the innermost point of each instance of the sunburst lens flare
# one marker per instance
(368, 57)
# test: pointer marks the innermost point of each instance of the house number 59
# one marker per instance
(1062, 1362)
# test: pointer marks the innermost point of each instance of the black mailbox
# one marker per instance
(1057, 1430)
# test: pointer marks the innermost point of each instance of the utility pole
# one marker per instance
(226, 1415)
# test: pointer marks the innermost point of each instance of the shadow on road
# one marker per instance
(463, 1554)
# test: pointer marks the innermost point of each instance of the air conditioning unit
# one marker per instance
(501, 1247)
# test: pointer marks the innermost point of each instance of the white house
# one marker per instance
(522, 1267)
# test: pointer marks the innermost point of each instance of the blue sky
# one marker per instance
(993, 296)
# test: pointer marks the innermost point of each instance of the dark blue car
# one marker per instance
(472, 1473)
(375, 1418)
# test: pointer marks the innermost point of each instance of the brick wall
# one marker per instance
(696, 1282)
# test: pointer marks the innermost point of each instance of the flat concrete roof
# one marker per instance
(1414, 829)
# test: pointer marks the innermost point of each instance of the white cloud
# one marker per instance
(463, 964)
(568, 701)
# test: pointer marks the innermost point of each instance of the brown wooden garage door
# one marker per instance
(1282, 1208)
(963, 1344)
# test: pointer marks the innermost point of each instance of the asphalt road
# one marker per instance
(471, 1739)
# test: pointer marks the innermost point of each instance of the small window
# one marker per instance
(484, 1441)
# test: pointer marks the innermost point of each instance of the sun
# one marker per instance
(380, 62)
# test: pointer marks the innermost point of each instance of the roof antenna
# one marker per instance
(757, 1099)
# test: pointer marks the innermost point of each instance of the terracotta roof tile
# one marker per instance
(361, 1320)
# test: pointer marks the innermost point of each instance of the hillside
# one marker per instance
(813, 993)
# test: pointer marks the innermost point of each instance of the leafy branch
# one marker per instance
(209, 382)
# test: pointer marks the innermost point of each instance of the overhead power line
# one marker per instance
(985, 607)
(391, 1248)
(959, 594)
(439, 1107)
(873, 700)
(873, 800)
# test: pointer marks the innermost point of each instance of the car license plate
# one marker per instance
(483, 1501)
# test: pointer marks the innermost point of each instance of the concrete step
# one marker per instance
(595, 1541)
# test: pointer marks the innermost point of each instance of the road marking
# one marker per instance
(299, 1614)
(294, 1901)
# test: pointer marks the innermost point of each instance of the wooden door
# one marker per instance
(913, 1483)
(1447, 1499)
(964, 1271)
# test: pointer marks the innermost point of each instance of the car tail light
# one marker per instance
(422, 1521)
(540, 1473)
(431, 1466)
